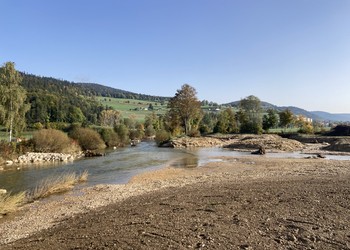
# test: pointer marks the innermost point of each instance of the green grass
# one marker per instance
(133, 108)
(5, 136)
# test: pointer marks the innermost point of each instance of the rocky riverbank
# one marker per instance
(32, 157)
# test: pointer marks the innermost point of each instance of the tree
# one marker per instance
(286, 118)
(250, 115)
(208, 123)
(75, 115)
(226, 122)
(110, 118)
(270, 120)
(186, 108)
(12, 100)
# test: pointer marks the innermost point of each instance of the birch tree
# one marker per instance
(12, 98)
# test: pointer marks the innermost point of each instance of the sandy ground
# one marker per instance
(238, 203)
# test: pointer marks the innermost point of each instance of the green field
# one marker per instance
(4, 136)
(133, 108)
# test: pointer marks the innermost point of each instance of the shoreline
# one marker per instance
(51, 212)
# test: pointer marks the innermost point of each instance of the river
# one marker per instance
(118, 166)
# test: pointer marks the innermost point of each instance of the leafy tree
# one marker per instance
(208, 123)
(250, 115)
(12, 100)
(75, 115)
(123, 133)
(185, 108)
(226, 122)
(110, 137)
(270, 120)
(286, 118)
(110, 118)
(304, 125)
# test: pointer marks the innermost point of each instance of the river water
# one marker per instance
(118, 166)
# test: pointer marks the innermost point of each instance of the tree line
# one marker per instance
(42, 102)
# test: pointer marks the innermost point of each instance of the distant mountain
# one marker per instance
(332, 117)
(315, 115)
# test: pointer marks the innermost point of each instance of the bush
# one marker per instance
(194, 133)
(52, 140)
(123, 133)
(7, 149)
(38, 126)
(162, 136)
(110, 137)
(87, 138)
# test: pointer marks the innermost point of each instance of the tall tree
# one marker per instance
(286, 118)
(270, 120)
(185, 107)
(250, 115)
(226, 122)
(12, 97)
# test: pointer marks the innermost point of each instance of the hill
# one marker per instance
(86, 89)
(55, 100)
(315, 115)
(332, 117)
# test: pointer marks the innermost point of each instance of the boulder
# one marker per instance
(260, 151)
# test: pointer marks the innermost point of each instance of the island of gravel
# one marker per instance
(234, 203)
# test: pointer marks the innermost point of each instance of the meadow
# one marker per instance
(137, 109)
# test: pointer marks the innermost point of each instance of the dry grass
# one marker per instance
(10, 203)
(83, 176)
(56, 184)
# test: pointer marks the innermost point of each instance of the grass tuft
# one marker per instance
(10, 203)
(83, 176)
(56, 184)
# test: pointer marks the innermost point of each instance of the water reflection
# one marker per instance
(186, 162)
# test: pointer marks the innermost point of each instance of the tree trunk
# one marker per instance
(11, 124)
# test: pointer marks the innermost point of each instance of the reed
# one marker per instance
(10, 203)
(56, 184)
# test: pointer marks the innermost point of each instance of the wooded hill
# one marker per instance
(54, 100)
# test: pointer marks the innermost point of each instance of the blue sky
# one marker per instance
(286, 52)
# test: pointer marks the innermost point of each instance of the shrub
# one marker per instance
(150, 131)
(110, 137)
(38, 126)
(87, 138)
(194, 133)
(52, 140)
(162, 136)
(123, 133)
(7, 149)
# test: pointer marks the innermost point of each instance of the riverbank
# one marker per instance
(238, 203)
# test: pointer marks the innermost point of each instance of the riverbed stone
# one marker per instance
(32, 157)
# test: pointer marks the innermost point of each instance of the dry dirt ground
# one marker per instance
(239, 203)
